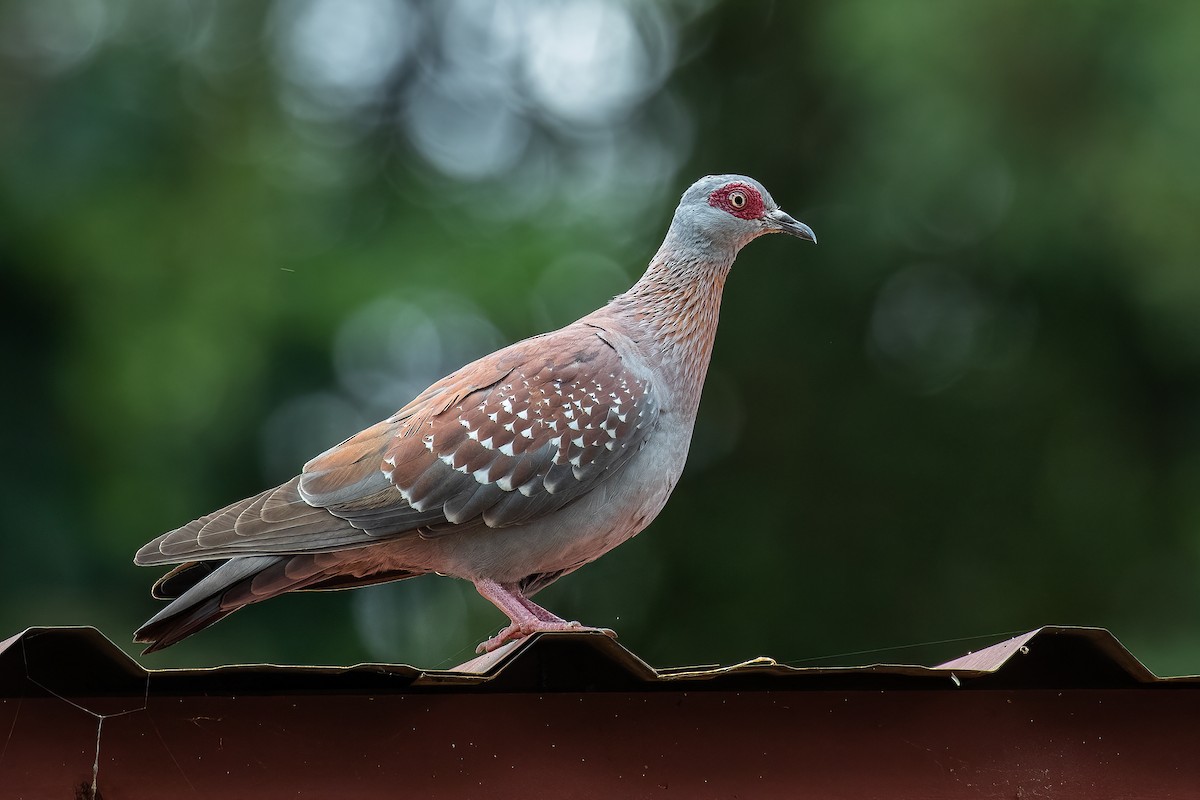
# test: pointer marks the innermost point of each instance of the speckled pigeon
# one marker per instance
(511, 472)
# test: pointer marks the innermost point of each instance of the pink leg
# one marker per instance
(527, 616)
(538, 611)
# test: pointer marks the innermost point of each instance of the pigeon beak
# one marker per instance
(780, 221)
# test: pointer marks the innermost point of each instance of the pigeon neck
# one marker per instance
(674, 308)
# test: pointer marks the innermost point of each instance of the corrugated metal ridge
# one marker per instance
(992, 659)
(83, 662)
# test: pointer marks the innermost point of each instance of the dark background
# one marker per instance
(232, 234)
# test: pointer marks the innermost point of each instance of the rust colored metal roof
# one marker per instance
(1056, 712)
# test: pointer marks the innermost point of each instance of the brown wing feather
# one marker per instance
(276, 521)
(511, 437)
(546, 423)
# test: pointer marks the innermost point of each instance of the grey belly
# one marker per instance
(558, 543)
(613, 512)
(565, 540)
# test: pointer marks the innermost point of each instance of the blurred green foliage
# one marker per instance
(232, 234)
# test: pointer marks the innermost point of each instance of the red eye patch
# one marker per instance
(751, 209)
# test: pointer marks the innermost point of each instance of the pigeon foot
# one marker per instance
(514, 632)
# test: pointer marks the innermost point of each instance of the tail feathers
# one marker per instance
(184, 577)
(167, 632)
(204, 603)
(205, 592)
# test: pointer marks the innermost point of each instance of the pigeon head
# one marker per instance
(732, 210)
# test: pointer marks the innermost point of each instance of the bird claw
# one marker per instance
(515, 632)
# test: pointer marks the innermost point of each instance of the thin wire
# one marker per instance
(96, 763)
(84, 709)
(12, 728)
(1001, 634)
(456, 657)
(170, 753)
(94, 714)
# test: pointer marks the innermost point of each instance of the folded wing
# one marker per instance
(509, 438)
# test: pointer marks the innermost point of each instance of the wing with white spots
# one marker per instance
(503, 441)
(514, 436)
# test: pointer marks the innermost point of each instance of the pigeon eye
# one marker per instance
(737, 199)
